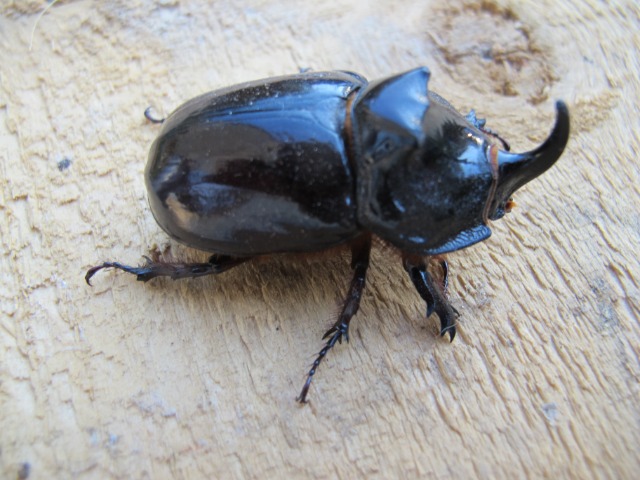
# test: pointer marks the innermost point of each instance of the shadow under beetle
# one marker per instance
(306, 162)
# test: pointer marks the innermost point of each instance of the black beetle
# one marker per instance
(306, 162)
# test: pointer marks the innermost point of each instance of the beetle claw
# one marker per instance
(149, 115)
(431, 307)
(91, 272)
(447, 322)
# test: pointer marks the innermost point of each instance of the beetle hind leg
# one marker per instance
(360, 251)
(174, 270)
(433, 292)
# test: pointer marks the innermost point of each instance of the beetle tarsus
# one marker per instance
(302, 398)
(175, 270)
(433, 292)
(141, 272)
(360, 252)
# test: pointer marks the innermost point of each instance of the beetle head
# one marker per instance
(428, 179)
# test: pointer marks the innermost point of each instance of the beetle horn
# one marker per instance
(517, 169)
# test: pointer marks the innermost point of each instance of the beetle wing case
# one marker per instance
(425, 168)
(258, 168)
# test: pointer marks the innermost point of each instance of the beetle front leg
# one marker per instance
(175, 270)
(360, 251)
(433, 293)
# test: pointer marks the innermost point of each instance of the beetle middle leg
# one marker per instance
(175, 270)
(432, 292)
(360, 252)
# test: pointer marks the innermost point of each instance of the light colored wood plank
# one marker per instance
(198, 378)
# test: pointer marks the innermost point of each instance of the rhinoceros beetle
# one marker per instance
(306, 162)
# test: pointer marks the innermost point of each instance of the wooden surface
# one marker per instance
(197, 379)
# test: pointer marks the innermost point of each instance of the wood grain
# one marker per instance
(197, 379)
